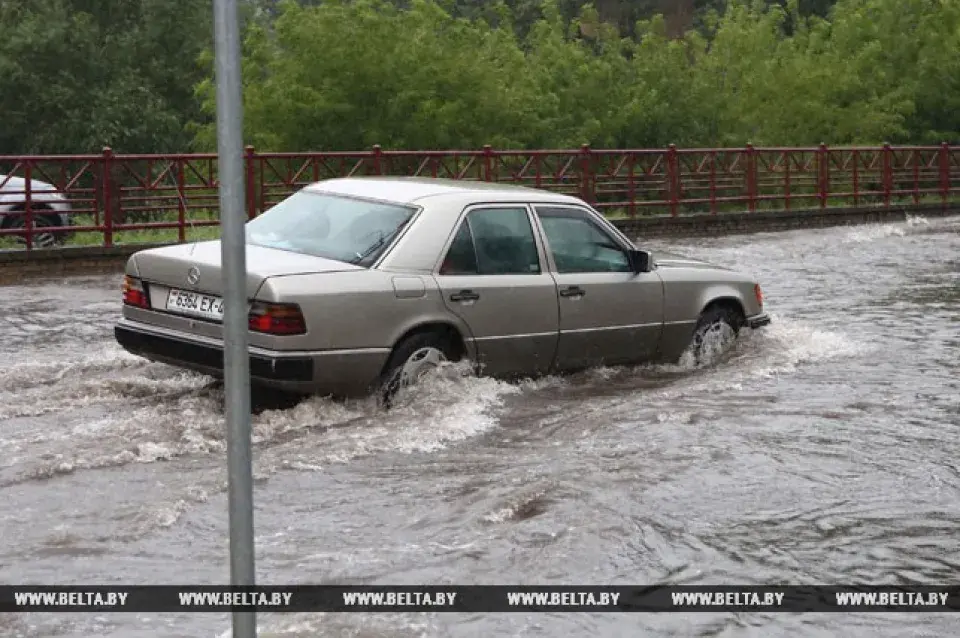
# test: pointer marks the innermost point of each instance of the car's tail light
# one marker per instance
(759, 293)
(134, 293)
(277, 319)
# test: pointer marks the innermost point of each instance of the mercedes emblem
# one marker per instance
(193, 276)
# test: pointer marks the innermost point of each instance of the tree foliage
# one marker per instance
(347, 74)
(76, 75)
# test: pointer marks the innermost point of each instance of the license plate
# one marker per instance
(195, 304)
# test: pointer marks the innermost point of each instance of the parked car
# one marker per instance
(49, 207)
(362, 284)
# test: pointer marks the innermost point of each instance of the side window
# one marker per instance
(461, 259)
(493, 241)
(580, 245)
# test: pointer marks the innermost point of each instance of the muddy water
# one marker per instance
(824, 449)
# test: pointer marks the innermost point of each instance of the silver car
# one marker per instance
(49, 209)
(362, 284)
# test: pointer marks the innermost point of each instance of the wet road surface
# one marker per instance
(825, 449)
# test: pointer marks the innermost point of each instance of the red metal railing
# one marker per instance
(122, 198)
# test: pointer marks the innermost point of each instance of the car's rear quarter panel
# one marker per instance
(367, 309)
(355, 319)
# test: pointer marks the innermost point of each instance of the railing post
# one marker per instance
(587, 193)
(917, 158)
(250, 159)
(632, 182)
(855, 158)
(28, 206)
(181, 203)
(787, 185)
(377, 160)
(672, 180)
(887, 173)
(487, 163)
(713, 182)
(751, 178)
(944, 165)
(823, 174)
(108, 195)
(260, 179)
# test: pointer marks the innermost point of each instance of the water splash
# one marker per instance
(447, 406)
(874, 232)
(786, 345)
(168, 414)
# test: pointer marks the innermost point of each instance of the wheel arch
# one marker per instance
(447, 328)
(729, 302)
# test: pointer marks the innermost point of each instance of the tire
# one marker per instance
(16, 219)
(716, 332)
(410, 359)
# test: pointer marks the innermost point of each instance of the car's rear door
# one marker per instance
(608, 314)
(493, 276)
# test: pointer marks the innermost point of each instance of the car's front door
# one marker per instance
(492, 276)
(608, 313)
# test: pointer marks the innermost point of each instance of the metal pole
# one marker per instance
(236, 362)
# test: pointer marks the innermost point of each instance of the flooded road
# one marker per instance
(825, 449)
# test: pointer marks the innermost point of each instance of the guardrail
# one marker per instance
(117, 198)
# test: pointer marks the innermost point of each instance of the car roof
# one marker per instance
(12, 181)
(409, 190)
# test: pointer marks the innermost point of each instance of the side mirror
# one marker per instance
(640, 260)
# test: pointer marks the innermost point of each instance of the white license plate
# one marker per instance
(195, 304)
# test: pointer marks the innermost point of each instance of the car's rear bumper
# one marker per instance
(336, 372)
(757, 321)
(206, 357)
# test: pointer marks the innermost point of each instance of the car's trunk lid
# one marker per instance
(171, 266)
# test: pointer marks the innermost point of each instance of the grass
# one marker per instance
(142, 236)
(203, 233)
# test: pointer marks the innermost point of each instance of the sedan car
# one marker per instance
(362, 284)
(49, 208)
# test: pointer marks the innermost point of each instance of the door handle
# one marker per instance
(573, 291)
(464, 295)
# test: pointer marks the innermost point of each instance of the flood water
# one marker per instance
(825, 449)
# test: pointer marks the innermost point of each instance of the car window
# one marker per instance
(331, 226)
(579, 244)
(461, 259)
(493, 241)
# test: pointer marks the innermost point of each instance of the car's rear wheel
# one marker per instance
(412, 358)
(41, 238)
(715, 334)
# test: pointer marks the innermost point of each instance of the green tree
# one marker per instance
(346, 75)
(770, 88)
(903, 51)
(75, 76)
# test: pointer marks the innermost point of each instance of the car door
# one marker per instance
(608, 313)
(493, 277)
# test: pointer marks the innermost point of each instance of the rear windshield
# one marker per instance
(342, 228)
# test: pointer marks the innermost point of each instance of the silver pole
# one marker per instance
(236, 362)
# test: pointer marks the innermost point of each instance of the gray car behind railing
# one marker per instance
(49, 209)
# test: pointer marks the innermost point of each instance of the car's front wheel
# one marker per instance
(716, 333)
(412, 358)
(40, 237)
